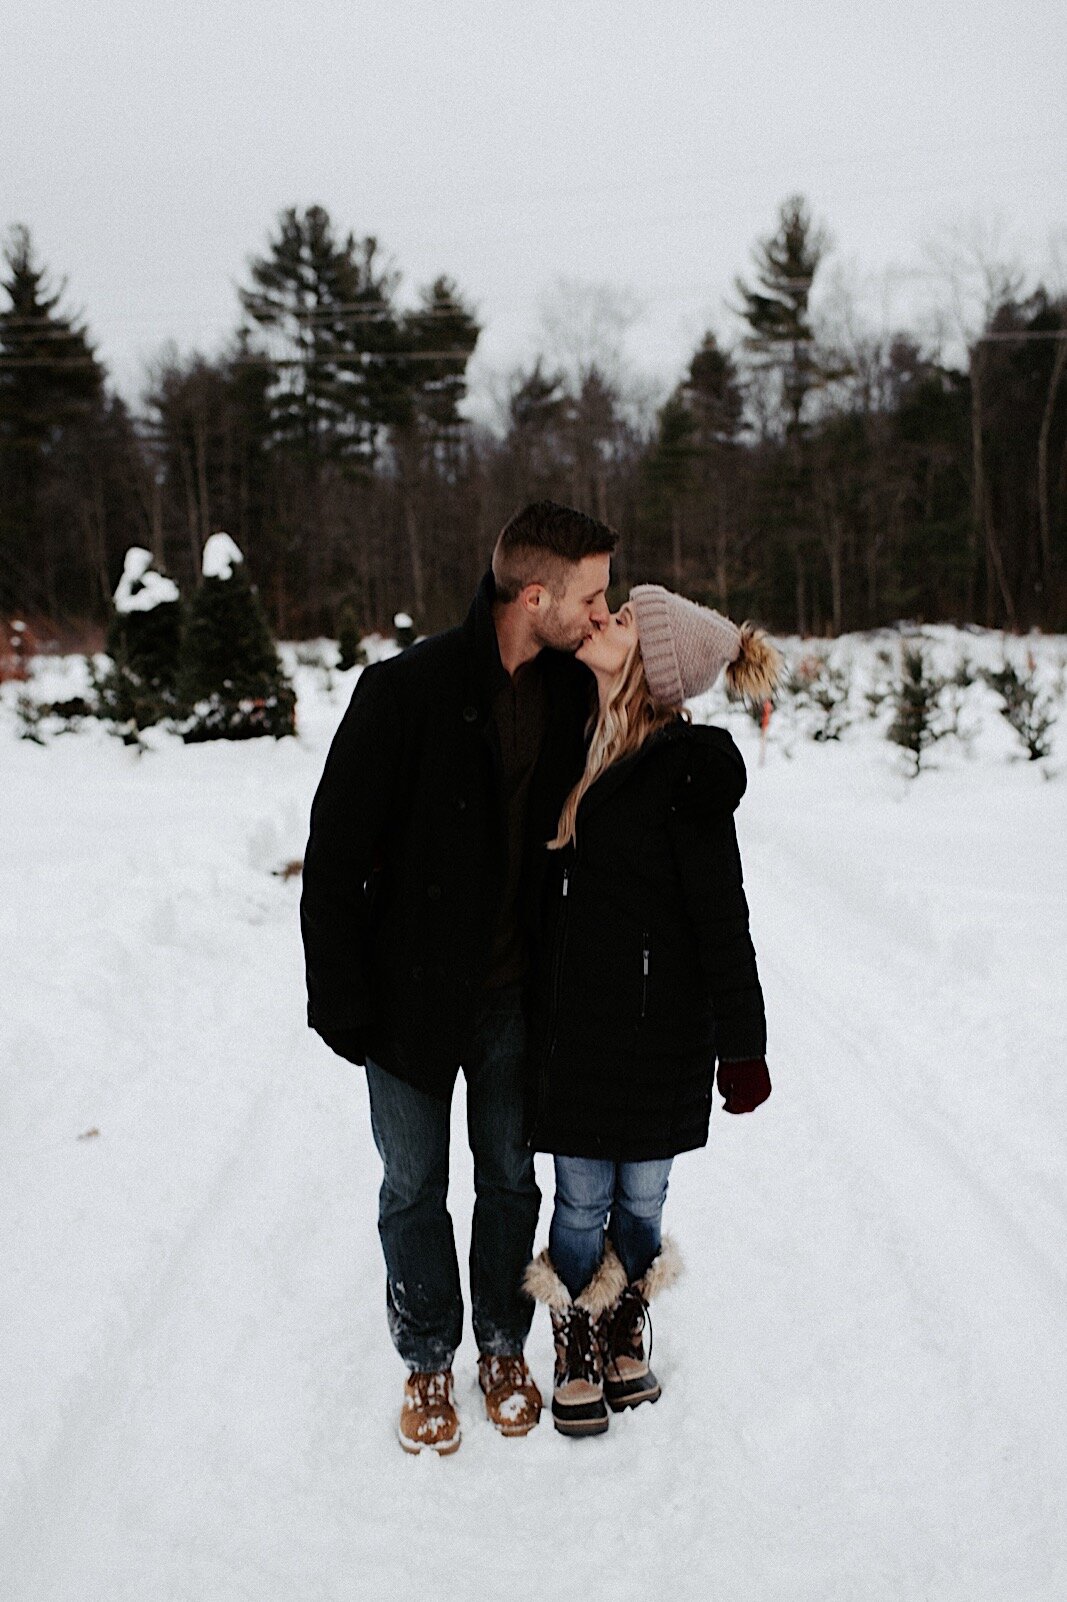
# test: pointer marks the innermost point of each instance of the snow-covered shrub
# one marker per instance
(819, 690)
(350, 648)
(880, 685)
(405, 630)
(1025, 706)
(139, 687)
(231, 684)
(915, 696)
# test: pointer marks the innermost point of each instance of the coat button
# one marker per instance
(433, 892)
(470, 714)
(461, 803)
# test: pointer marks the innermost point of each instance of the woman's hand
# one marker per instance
(744, 1085)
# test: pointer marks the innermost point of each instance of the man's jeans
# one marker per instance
(589, 1190)
(423, 1297)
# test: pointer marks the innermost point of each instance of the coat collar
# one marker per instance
(606, 783)
(486, 673)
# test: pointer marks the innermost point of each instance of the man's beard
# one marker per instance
(556, 639)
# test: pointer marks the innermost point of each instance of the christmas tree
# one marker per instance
(1022, 703)
(231, 682)
(143, 642)
(350, 652)
(915, 698)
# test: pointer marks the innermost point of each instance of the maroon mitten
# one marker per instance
(744, 1085)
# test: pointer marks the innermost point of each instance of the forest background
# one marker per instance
(818, 473)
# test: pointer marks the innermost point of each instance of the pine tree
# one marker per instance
(670, 469)
(777, 307)
(1024, 706)
(326, 307)
(915, 698)
(350, 652)
(51, 387)
(231, 682)
(144, 643)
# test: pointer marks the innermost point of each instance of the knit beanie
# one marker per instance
(685, 647)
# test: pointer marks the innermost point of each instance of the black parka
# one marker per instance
(645, 971)
(407, 850)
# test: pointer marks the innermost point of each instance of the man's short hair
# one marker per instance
(541, 542)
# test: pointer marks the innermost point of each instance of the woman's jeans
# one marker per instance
(593, 1193)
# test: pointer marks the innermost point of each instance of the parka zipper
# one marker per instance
(646, 948)
(557, 982)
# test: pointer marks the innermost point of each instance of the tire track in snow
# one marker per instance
(64, 1479)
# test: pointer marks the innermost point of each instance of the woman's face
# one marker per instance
(606, 650)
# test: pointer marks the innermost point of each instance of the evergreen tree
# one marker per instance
(670, 469)
(712, 392)
(1025, 707)
(781, 343)
(231, 681)
(350, 652)
(915, 698)
(777, 307)
(438, 340)
(51, 387)
(326, 305)
(143, 643)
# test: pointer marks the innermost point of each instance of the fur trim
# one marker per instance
(606, 1285)
(754, 671)
(663, 1272)
(543, 1284)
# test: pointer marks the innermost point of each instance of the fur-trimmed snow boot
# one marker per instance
(628, 1379)
(578, 1406)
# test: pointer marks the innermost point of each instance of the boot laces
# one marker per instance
(580, 1353)
(505, 1371)
(432, 1389)
(629, 1322)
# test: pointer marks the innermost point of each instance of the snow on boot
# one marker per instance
(512, 1400)
(628, 1379)
(578, 1406)
(428, 1418)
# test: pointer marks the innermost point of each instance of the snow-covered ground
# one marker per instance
(865, 1387)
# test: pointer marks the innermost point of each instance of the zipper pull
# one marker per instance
(566, 880)
(644, 962)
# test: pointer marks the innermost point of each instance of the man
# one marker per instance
(444, 780)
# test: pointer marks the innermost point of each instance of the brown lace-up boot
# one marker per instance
(628, 1379)
(578, 1406)
(428, 1418)
(512, 1400)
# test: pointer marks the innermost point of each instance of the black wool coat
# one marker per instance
(645, 971)
(407, 850)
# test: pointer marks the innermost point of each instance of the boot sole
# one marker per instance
(415, 1448)
(514, 1433)
(585, 1418)
(580, 1426)
(619, 1404)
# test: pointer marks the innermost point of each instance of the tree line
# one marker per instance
(816, 475)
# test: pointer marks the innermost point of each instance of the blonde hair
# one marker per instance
(628, 717)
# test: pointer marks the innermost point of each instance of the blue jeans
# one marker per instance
(424, 1302)
(593, 1193)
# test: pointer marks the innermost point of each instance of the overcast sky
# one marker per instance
(149, 146)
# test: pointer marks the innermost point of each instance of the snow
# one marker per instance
(864, 1390)
(141, 589)
(221, 556)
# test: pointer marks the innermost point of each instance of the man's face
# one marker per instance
(564, 622)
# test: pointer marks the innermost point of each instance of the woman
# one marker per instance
(645, 976)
